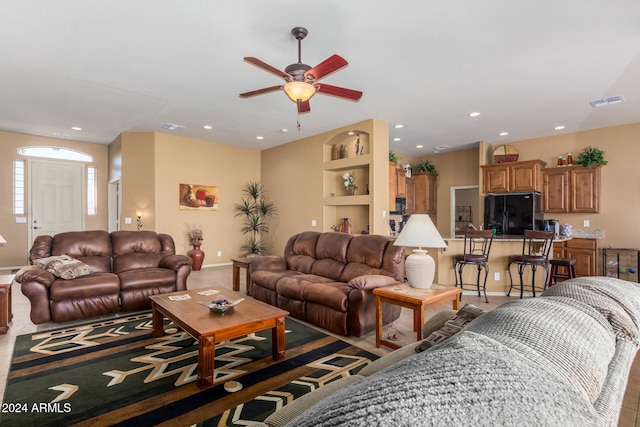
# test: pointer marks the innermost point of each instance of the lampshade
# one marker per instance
(420, 232)
(299, 91)
(2, 239)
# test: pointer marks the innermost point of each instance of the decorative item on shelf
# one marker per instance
(569, 159)
(196, 254)
(567, 230)
(358, 145)
(350, 183)
(408, 171)
(139, 219)
(334, 152)
(505, 153)
(255, 209)
(590, 157)
(420, 232)
(393, 157)
(426, 166)
(343, 152)
(366, 191)
(345, 227)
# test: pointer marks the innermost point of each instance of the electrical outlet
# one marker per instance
(585, 223)
(496, 276)
(219, 253)
(127, 220)
(313, 223)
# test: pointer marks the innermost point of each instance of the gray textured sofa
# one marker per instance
(560, 359)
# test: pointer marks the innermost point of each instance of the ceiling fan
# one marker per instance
(301, 80)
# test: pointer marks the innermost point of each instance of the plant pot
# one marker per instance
(197, 256)
(351, 191)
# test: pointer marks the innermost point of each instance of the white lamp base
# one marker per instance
(420, 268)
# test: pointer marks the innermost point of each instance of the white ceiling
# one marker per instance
(131, 66)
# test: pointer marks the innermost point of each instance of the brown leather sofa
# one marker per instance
(327, 279)
(126, 268)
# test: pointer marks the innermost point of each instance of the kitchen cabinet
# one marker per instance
(585, 251)
(571, 189)
(397, 184)
(513, 177)
(411, 195)
(426, 194)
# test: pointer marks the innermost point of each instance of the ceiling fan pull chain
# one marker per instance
(298, 102)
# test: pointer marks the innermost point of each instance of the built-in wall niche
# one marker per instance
(358, 217)
(347, 145)
(334, 181)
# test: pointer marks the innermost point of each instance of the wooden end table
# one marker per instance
(239, 263)
(209, 328)
(5, 302)
(414, 298)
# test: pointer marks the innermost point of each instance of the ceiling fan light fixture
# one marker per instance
(299, 91)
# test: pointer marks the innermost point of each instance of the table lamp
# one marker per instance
(420, 266)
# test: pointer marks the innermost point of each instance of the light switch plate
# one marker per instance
(585, 223)
(313, 223)
(127, 220)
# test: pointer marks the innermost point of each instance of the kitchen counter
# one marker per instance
(507, 238)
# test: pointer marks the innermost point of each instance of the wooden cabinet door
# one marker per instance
(426, 196)
(411, 196)
(392, 186)
(585, 190)
(555, 194)
(401, 179)
(585, 251)
(496, 179)
(525, 177)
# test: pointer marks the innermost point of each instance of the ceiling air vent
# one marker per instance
(172, 126)
(607, 101)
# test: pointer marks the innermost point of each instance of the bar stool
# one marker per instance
(556, 263)
(477, 244)
(536, 246)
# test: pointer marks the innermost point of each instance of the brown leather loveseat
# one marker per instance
(124, 269)
(326, 279)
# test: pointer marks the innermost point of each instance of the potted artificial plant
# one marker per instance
(426, 166)
(590, 157)
(254, 209)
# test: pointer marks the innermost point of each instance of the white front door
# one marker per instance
(56, 192)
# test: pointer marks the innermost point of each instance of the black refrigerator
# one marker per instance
(512, 213)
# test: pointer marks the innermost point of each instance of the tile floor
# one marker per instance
(221, 278)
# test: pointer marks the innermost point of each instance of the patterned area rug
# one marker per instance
(115, 373)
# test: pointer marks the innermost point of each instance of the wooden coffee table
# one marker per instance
(416, 299)
(209, 328)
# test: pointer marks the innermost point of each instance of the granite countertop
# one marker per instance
(509, 238)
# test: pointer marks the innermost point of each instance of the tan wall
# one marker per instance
(15, 252)
(293, 176)
(153, 167)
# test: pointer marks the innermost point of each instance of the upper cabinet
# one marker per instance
(397, 184)
(571, 189)
(513, 177)
(426, 194)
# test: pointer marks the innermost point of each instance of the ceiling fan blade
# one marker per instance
(340, 92)
(268, 68)
(304, 107)
(260, 91)
(326, 67)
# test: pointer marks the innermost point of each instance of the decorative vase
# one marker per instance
(345, 227)
(197, 256)
(351, 191)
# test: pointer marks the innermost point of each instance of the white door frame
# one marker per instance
(452, 225)
(114, 205)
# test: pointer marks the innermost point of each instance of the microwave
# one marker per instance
(401, 206)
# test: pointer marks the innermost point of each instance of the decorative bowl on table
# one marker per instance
(221, 304)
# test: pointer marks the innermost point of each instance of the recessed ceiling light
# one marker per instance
(396, 139)
(208, 127)
(420, 146)
(76, 128)
(399, 126)
(560, 127)
(60, 135)
(474, 114)
(284, 130)
(259, 137)
(503, 133)
(351, 132)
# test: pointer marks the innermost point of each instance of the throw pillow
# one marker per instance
(64, 266)
(452, 326)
